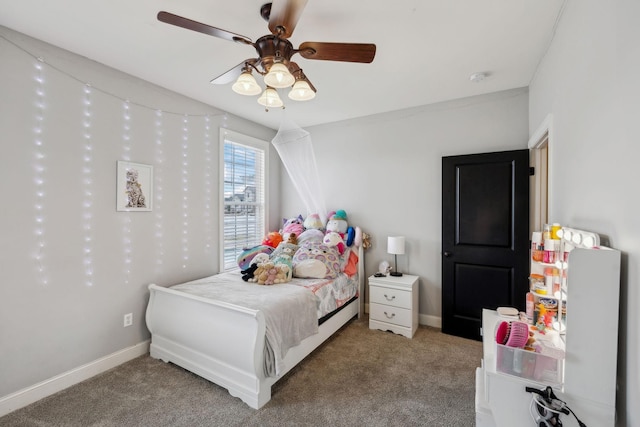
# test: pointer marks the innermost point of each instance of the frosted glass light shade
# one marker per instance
(301, 91)
(246, 85)
(270, 98)
(395, 245)
(279, 76)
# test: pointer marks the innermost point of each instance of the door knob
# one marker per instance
(447, 254)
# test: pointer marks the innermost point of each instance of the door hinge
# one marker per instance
(532, 171)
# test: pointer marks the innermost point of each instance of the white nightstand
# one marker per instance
(393, 304)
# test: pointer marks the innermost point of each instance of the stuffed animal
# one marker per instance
(332, 238)
(292, 239)
(247, 255)
(283, 255)
(273, 239)
(338, 223)
(292, 225)
(291, 245)
(312, 234)
(316, 260)
(249, 272)
(268, 273)
(284, 259)
(365, 239)
(313, 222)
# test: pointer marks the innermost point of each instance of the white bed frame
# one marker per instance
(224, 343)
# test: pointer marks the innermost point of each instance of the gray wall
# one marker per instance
(588, 81)
(54, 317)
(386, 172)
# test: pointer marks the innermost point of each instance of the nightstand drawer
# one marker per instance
(389, 314)
(389, 296)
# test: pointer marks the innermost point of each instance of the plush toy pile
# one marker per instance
(305, 248)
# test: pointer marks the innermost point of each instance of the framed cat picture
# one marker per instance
(134, 187)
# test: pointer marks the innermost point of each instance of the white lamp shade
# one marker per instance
(279, 76)
(301, 91)
(395, 245)
(270, 98)
(246, 85)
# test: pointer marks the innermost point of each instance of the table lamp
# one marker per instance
(395, 246)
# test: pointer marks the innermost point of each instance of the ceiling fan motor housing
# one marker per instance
(272, 48)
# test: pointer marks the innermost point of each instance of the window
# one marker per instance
(244, 172)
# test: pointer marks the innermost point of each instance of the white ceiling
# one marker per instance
(426, 49)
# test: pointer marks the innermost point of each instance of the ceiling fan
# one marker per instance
(275, 52)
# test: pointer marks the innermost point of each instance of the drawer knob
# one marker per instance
(390, 299)
(389, 317)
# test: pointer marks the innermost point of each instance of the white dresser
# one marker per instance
(393, 304)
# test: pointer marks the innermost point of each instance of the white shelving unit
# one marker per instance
(591, 343)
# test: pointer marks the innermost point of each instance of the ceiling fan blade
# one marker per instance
(347, 52)
(285, 15)
(179, 21)
(232, 74)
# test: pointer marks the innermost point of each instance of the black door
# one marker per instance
(485, 237)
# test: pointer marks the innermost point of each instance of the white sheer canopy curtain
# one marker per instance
(296, 152)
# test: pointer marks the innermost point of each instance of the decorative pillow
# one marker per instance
(316, 260)
(352, 264)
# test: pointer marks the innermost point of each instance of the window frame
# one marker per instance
(230, 136)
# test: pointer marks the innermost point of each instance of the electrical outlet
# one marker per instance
(128, 319)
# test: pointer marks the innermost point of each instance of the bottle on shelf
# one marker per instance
(530, 307)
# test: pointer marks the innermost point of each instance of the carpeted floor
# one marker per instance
(358, 377)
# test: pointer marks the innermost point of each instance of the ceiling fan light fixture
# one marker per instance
(301, 91)
(279, 76)
(246, 85)
(270, 98)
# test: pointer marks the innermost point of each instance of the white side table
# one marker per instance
(393, 304)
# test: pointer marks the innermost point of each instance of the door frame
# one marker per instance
(541, 148)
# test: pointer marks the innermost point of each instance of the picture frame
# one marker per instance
(134, 187)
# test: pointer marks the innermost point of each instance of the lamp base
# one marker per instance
(395, 274)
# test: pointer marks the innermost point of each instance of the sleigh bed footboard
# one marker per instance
(221, 342)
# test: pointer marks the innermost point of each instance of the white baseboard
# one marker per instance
(429, 320)
(423, 319)
(53, 385)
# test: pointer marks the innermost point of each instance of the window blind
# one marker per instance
(244, 182)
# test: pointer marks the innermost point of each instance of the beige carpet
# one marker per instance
(360, 377)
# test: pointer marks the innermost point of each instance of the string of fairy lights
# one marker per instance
(87, 185)
(159, 190)
(88, 119)
(207, 183)
(127, 243)
(39, 161)
(185, 191)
